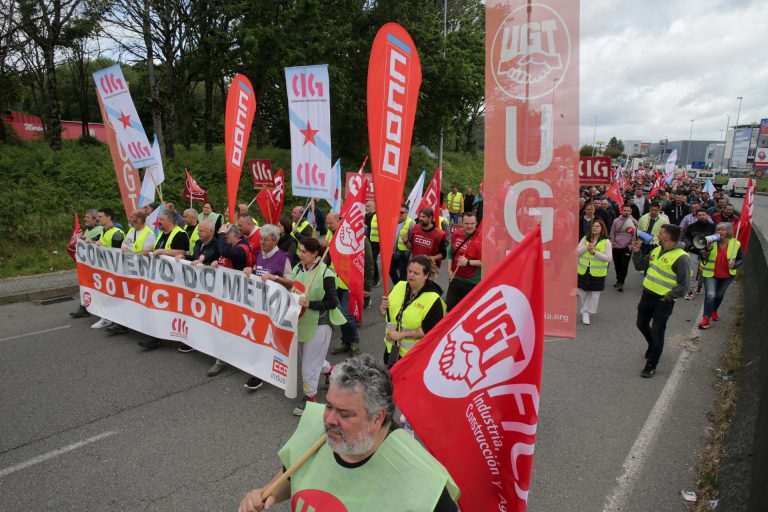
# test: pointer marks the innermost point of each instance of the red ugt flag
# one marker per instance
(347, 249)
(745, 222)
(271, 201)
(479, 371)
(71, 247)
(192, 190)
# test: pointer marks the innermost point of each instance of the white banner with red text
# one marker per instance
(241, 320)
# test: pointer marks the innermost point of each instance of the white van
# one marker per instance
(736, 187)
(703, 176)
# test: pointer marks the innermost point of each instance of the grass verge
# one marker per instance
(720, 416)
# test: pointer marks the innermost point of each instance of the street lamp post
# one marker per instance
(725, 137)
(740, 98)
(594, 137)
(688, 153)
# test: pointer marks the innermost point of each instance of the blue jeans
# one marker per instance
(714, 289)
(349, 333)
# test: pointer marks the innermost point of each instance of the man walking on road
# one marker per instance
(668, 268)
(621, 236)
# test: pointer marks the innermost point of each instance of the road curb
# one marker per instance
(38, 295)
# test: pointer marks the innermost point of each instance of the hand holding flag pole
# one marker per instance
(269, 491)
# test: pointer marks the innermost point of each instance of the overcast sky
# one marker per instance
(648, 67)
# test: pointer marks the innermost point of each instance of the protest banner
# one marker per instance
(532, 142)
(127, 176)
(309, 113)
(479, 371)
(242, 320)
(241, 107)
(394, 79)
(595, 170)
(261, 172)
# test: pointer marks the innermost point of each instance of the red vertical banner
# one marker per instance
(270, 200)
(241, 107)
(532, 142)
(128, 179)
(394, 78)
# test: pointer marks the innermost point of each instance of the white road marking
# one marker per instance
(36, 332)
(635, 460)
(55, 453)
(547, 338)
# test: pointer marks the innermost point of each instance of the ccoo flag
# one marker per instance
(241, 107)
(479, 372)
(394, 78)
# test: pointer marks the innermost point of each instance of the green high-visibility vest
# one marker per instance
(168, 241)
(454, 202)
(374, 234)
(194, 237)
(597, 268)
(308, 321)
(404, 230)
(660, 278)
(339, 282)
(400, 476)
(295, 231)
(413, 316)
(708, 267)
(106, 236)
(93, 233)
(213, 217)
(138, 242)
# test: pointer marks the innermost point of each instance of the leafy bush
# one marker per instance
(42, 189)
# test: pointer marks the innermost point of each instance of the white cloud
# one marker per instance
(648, 68)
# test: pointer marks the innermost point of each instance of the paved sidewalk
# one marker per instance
(38, 287)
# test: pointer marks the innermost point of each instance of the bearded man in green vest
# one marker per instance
(367, 463)
(667, 270)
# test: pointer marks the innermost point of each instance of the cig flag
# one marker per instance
(241, 107)
(153, 177)
(122, 115)
(394, 78)
(479, 372)
(347, 249)
(309, 113)
(270, 201)
(414, 198)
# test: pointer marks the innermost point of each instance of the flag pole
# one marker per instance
(269, 491)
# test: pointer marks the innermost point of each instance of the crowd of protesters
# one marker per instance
(291, 250)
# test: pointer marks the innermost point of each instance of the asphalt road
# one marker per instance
(90, 422)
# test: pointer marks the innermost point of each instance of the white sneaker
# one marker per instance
(585, 318)
(102, 323)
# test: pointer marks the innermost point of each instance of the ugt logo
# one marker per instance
(179, 328)
(531, 53)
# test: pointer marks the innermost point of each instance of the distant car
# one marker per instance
(736, 187)
(703, 176)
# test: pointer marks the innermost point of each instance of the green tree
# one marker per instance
(52, 25)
